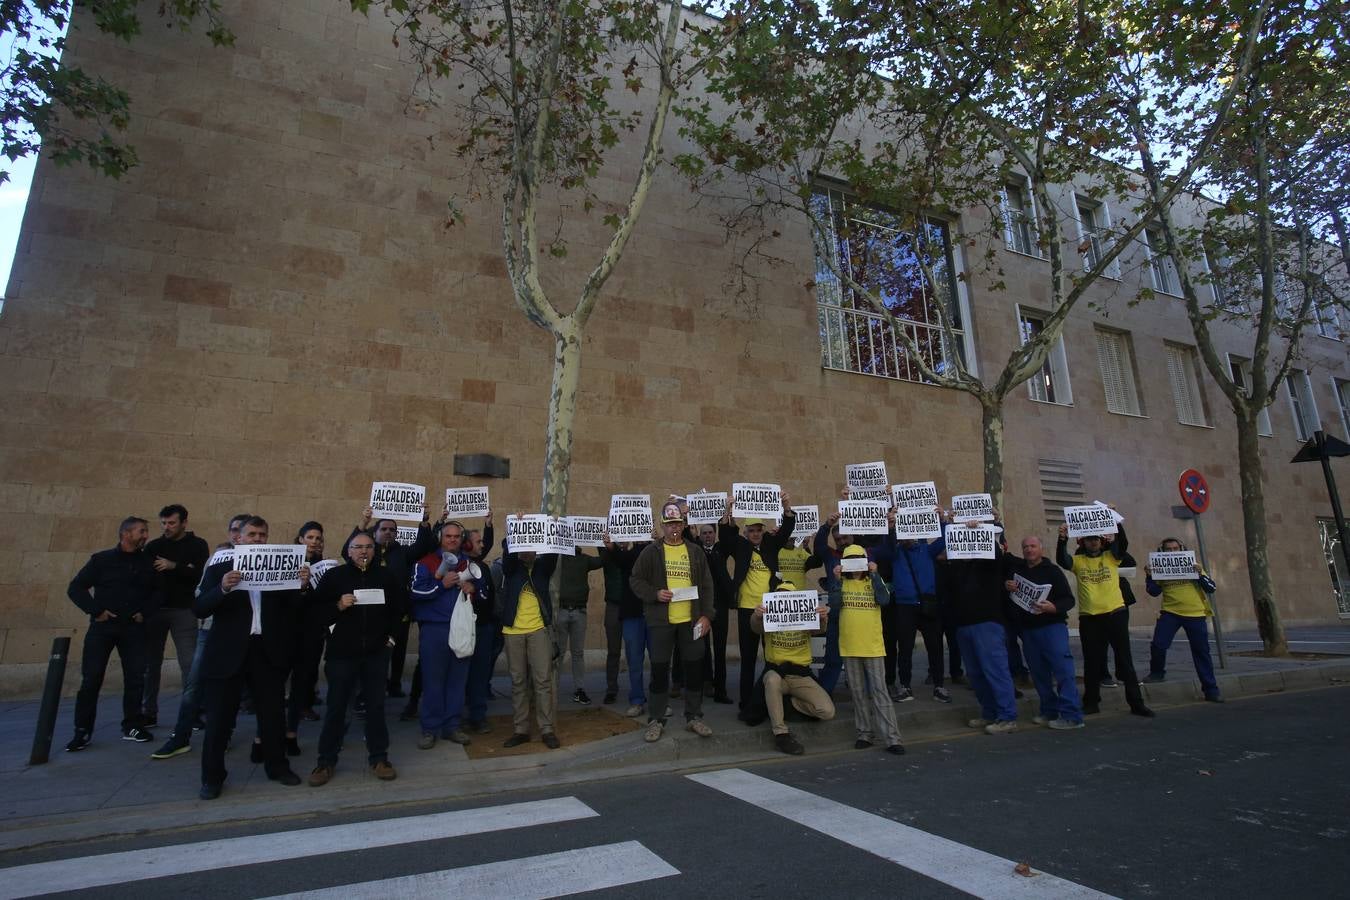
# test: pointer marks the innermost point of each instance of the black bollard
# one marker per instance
(51, 701)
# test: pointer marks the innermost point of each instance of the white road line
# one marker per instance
(527, 878)
(181, 859)
(956, 865)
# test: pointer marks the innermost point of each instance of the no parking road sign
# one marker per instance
(1194, 491)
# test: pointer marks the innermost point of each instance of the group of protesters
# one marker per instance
(668, 605)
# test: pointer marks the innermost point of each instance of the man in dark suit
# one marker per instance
(252, 638)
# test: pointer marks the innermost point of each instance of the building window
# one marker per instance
(1051, 383)
(1301, 404)
(1241, 372)
(870, 248)
(1115, 357)
(1165, 279)
(1341, 388)
(1183, 370)
(1219, 269)
(1019, 228)
(1094, 221)
(1328, 317)
(1335, 557)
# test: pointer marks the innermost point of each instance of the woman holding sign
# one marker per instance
(859, 597)
(1185, 605)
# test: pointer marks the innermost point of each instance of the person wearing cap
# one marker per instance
(1045, 634)
(1102, 619)
(662, 568)
(859, 598)
(787, 673)
(1185, 604)
(755, 565)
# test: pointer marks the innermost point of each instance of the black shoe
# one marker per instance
(516, 740)
(1213, 698)
(284, 776)
(255, 754)
(581, 697)
(860, 744)
(78, 742)
(174, 746)
(1091, 709)
(292, 746)
(209, 791)
(139, 735)
(551, 740)
(721, 698)
(1108, 681)
(788, 744)
(1142, 710)
(610, 697)
(896, 749)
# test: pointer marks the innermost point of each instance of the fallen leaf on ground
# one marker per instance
(1024, 870)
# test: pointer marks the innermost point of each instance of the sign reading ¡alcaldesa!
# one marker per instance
(918, 524)
(706, 507)
(806, 523)
(470, 502)
(915, 495)
(791, 611)
(588, 531)
(971, 542)
(863, 517)
(1089, 521)
(538, 533)
(1172, 565)
(396, 500)
(756, 501)
(630, 517)
(972, 508)
(269, 567)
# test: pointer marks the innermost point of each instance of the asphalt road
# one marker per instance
(1243, 799)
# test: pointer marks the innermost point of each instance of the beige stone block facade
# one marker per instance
(269, 313)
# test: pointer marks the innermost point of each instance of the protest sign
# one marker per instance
(972, 508)
(369, 596)
(630, 517)
(471, 502)
(319, 569)
(854, 564)
(588, 531)
(407, 535)
(1028, 593)
(882, 494)
(1172, 565)
(915, 495)
(970, 542)
(791, 611)
(863, 517)
(865, 475)
(540, 534)
(757, 501)
(807, 522)
(1090, 521)
(918, 524)
(706, 508)
(269, 567)
(396, 500)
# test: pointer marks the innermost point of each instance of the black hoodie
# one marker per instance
(359, 630)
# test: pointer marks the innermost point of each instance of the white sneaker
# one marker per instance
(1041, 720)
(1064, 724)
(1004, 727)
(979, 723)
(699, 727)
(635, 710)
(654, 729)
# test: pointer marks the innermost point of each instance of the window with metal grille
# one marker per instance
(1019, 230)
(1061, 486)
(1183, 370)
(1302, 404)
(876, 253)
(1241, 372)
(1115, 358)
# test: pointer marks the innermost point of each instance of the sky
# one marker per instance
(13, 196)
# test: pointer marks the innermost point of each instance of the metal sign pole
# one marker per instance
(1204, 563)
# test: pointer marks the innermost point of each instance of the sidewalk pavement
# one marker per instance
(114, 788)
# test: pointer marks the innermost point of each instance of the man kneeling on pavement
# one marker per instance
(787, 673)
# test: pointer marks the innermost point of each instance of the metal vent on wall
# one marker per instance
(1061, 486)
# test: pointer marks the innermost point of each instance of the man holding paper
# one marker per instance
(787, 673)
(1039, 604)
(975, 577)
(357, 604)
(1185, 605)
(676, 586)
(252, 641)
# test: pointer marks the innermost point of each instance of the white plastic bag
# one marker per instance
(463, 627)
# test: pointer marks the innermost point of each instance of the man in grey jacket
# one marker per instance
(676, 586)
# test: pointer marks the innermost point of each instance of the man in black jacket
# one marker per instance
(179, 556)
(252, 641)
(1045, 635)
(358, 600)
(754, 557)
(400, 561)
(724, 597)
(123, 583)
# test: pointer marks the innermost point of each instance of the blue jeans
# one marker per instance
(1197, 634)
(984, 650)
(480, 670)
(444, 679)
(634, 648)
(369, 673)
(1051, 664)
(834, 663)
(1016, 666)
(190, 705)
